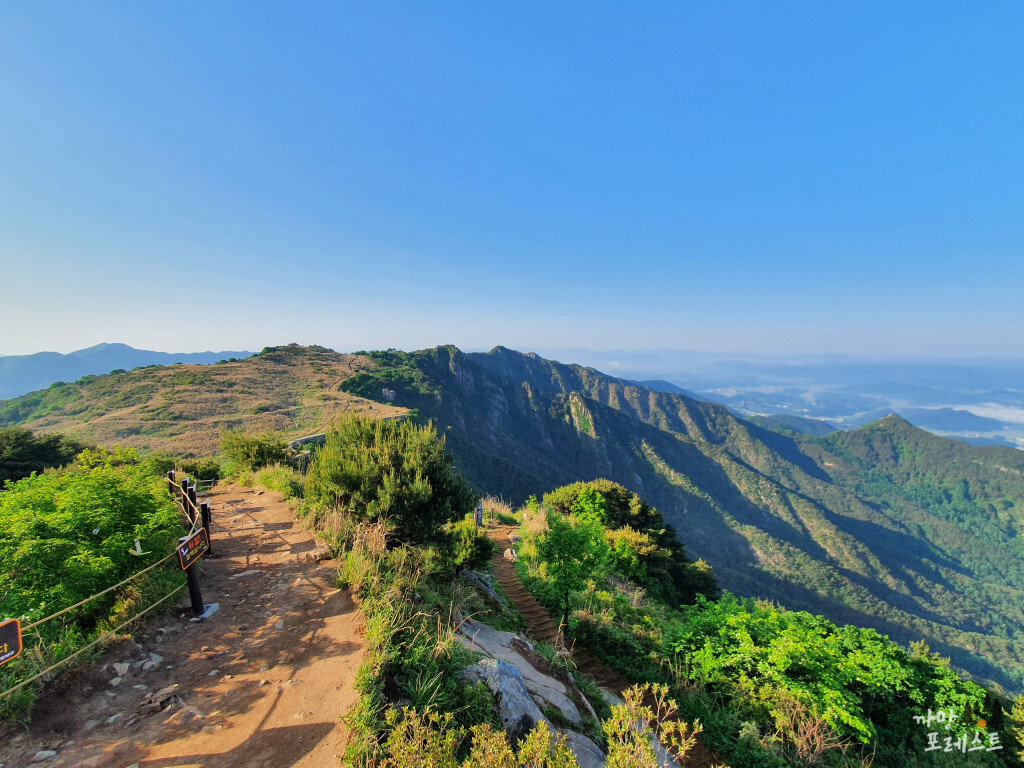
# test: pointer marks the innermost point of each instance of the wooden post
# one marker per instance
(204, 511)
(195, 595)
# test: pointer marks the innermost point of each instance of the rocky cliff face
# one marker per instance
(799, 520)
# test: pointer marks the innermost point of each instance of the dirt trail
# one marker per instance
(541, 627)
(262, 683)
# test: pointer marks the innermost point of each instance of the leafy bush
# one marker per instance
(574, 550)
(393, 471)
(283, 479)
(201, 469)
(645, 548)
(66, 537)
(251, 451)
(472, 546)
(22, 453)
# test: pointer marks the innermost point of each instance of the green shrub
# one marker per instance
(393, 471)
(283, 479)
(22, 453)
(251, 451)
(472, 546)
(201, 469)
(66, 537)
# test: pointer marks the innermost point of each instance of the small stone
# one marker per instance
(113, 718)
(156, 658)
(264, 682)
(323, 552)
(214, 673)
(204, 649)
(46, 754)
(280, 625)
(264, 668)
(149, 666)
(120, 669)
(116, 681)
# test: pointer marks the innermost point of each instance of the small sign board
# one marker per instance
(191, 548)
(10, 640)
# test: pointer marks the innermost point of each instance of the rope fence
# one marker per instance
(102, 638)
(189, 550)
(98, 594)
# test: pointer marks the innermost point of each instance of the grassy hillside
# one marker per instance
(887, 526)
(183, 407)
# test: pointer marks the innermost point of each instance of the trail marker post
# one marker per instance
(204, 511)
(190, 549)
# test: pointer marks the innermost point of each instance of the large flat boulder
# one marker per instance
(517, 711)
(496, 644)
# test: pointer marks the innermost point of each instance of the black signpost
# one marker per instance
(190, 549)
(10, 640)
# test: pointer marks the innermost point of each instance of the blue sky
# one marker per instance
(737, 177)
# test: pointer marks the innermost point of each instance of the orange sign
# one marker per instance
(10, 640)
(192, 548)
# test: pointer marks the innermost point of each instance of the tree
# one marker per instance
(390, 470)
(22, 453)
(574, 548)
(253, 451)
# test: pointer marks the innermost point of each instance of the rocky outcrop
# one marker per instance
(521, 690)
(499, 645)
(517, 710)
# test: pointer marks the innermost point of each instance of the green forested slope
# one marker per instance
(886, 526)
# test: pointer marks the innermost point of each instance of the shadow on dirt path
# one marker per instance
(263, 683)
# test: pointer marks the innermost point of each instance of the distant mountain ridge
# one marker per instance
(887, 526)
(21, 374)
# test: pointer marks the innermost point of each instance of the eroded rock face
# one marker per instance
(495, 643)
(518, 713)
(520, 689)
(587, 753)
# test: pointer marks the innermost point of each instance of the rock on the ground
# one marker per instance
(45, 754)
(482, 582)
(510, 555)
(121, 669)
(323, 552)
(587, 753)
(155, 701)
(495, 643)
(517, 711)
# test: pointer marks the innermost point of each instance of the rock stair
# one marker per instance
(541, 627)
(539, 624)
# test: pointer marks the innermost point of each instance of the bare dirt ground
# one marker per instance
(263, 683)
